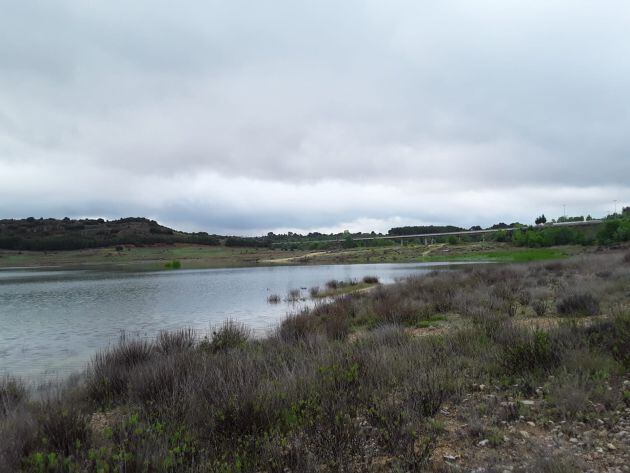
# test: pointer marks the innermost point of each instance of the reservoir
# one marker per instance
(53, 322)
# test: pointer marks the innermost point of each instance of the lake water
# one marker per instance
(52, 322)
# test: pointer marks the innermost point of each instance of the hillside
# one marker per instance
(53, 234)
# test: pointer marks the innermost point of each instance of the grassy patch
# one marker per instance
(432, 321)
(511, 255)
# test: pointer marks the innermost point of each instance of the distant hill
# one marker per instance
(66, 234)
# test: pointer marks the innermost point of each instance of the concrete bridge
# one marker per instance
(477, 232)
(427, 236)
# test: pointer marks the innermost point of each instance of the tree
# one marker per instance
(348, 242)
(541, 220)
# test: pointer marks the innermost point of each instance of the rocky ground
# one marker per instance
(491, 432)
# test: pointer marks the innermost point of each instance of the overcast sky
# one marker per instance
(247, 117)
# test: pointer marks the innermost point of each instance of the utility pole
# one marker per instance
(564, 210)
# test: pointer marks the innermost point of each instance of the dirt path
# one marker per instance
(433, 247)
(294, 258)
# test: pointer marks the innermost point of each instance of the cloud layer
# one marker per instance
(253, 116)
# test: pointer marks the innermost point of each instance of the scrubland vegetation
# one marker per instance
(51, 234)
(520, 367)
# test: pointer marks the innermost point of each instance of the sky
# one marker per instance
(288, 115)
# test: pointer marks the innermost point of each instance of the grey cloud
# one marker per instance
(436, 97)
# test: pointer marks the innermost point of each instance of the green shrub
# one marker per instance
(533, 352)
(63, 428)
(614, 231)
(175, 264)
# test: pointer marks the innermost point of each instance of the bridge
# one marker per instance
(462, 232)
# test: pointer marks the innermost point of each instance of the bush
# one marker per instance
(389, 335)
(63, 428)
(614, 231)
(108, 374)
(578, 304)
(430, 387)
(511, 308)
(397, 431)
(337, 328)
(613, 337)
(533, 352)
(370, 280)
(161, 384)
(540, 307)
(524, 297)
(175, 264)
(569, 396)
(295, 327)
(621, 339)
(231, 334)
(18, 434)
(175, 342)
(12, 392)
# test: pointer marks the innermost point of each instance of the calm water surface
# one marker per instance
(52, 322)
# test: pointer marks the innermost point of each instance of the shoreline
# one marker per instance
(155, 258)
